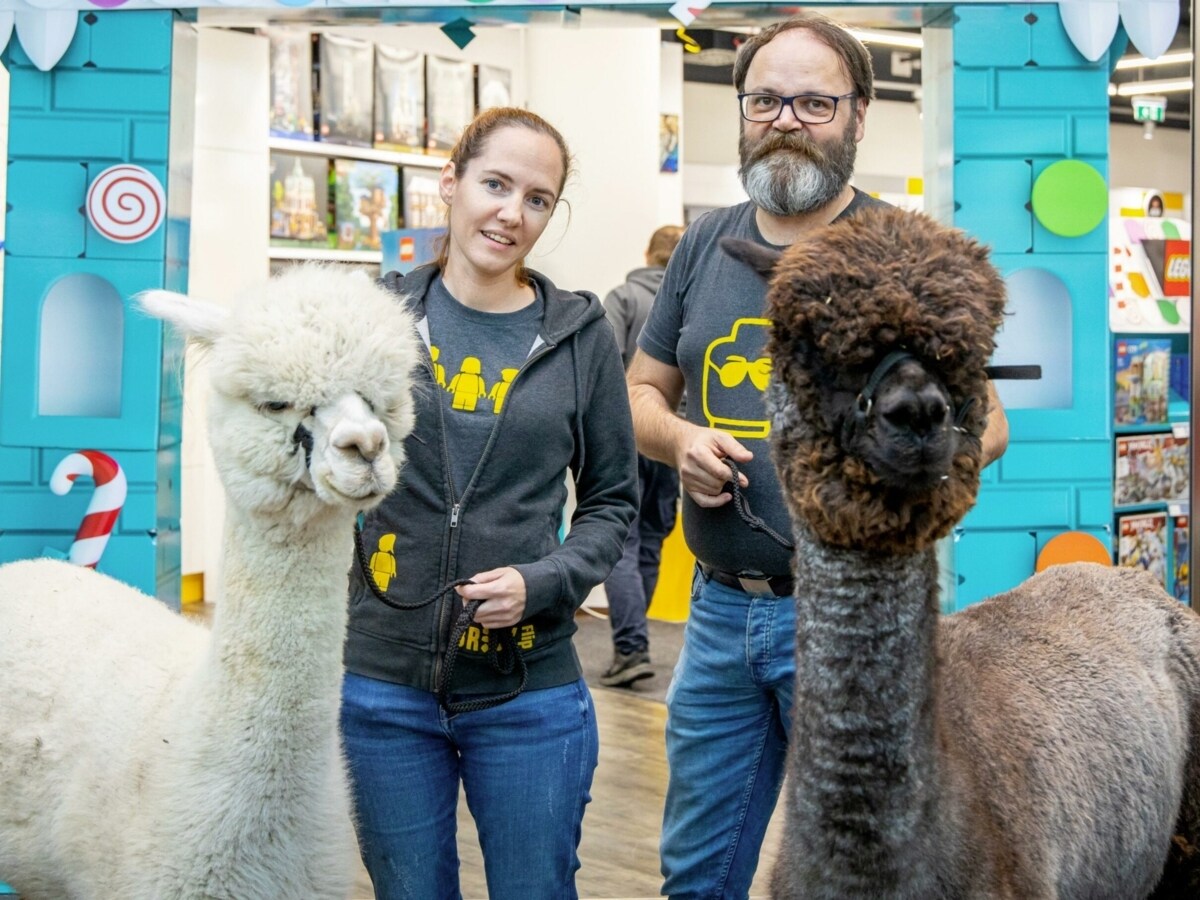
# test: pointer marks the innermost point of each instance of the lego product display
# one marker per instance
(1149, 267)
(493, 87)
(423, 206)
(399, 100)
(1151, 468)
(1180, 560)
(449, 102)
(343, 75)
(291, 83)
(366, 200)
(1142, 369)
(407, 248)
(1142, 543)
(299, 200)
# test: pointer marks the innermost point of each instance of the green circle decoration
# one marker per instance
(1070, 198)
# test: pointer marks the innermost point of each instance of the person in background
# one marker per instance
(630, 587)
(475, 502)
(803, 88)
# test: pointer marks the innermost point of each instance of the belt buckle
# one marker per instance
(756, 585)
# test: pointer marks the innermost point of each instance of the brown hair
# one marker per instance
(472, 142)
(855, 56)
(662, 244)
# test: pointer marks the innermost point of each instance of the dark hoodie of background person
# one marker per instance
(628, 305)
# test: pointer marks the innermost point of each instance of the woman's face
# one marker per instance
(502, 200)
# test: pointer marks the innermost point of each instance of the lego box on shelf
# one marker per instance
(1142, 543)
(1151, 468)
(1142, 374)
(399, 100)
(299, 200)
(344, 89)
(366, 202)
(1180, 560)
(493, 87)
(291, 83)
(406, 248)
(423, 206)
(449, 102)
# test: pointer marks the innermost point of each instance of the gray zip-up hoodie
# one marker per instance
(628, 304)
(567, 406)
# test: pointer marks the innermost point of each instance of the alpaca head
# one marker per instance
(311, 390)
(882, 327)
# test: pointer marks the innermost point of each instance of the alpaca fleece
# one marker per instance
(143, 758)
(1041, 745)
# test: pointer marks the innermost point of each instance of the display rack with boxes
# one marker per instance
(1149, 319)
(382, 121)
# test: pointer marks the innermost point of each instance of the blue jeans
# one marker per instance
(526, 767)
(728, 718)
(630, 586)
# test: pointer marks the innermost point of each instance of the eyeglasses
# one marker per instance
(811, 109)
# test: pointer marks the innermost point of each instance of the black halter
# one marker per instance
(866, 397)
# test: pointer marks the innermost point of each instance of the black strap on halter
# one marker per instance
(866, 397)
(505, 657)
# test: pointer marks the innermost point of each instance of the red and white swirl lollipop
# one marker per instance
(102, 512)
(126, 203)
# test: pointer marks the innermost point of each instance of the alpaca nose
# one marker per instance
(368, 439)
(921, 412)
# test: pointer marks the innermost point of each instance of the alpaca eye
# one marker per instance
(274, 406)
(367, 400)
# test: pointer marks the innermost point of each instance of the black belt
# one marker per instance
(779, 585)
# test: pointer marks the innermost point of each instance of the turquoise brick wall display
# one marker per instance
(1025, 99)
(79, 367)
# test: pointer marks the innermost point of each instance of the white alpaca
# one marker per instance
(142, 758)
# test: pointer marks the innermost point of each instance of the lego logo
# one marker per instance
(1179, 268)
(408, 249)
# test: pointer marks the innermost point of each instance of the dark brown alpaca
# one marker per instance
(1038, 746)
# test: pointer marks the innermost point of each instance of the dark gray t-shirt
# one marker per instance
(476, 356)
(708, 321)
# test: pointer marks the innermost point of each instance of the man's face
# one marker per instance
(789, 167)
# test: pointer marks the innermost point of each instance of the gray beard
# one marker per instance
(787, 183)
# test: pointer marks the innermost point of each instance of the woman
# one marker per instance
(534, 385)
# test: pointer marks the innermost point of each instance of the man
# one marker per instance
(803, 88)
(630, 586)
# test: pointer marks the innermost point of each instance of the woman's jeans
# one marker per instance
(728, 717)
(526, 767)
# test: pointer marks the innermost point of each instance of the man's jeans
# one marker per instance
(728, 717)
(526, 767)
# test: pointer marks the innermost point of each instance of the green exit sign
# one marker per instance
(1149, 109)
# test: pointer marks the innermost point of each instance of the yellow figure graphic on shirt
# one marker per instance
(467, 386)
(500, 389)
(439, 371)
(735, 374)
(383, 561)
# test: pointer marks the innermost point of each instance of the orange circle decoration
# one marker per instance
(1071, 547)
(126, 204)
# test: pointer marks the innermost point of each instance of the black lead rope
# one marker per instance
(505, 658)
(753, 522)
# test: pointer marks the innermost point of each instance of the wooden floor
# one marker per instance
(619, 851)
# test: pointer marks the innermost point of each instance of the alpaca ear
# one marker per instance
(196, 320)
(759, 258)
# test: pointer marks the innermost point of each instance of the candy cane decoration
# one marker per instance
(102, 512)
